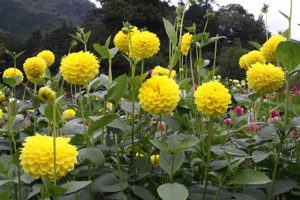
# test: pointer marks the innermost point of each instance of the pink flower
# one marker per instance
(161, 126)
(228, 121)
(254, 128)
(239, 110)
(294, 134)
(274, 113)
(195, 87)
(276, 119)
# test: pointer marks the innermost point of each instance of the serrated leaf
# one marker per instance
(102, 50)
(92, 154)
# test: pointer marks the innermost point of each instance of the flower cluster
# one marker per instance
(251, 58)
(122, 39)
(144, 45)
(160, 71)
(186, 43)
(268, 49)
(14, 73)
(68, 114)
(34, 67)
(212, 98)
(265, 78)
(48, 57)
(159, 95)
(37, 157)
(79, 68)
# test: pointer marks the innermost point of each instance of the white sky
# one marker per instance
(276, 22)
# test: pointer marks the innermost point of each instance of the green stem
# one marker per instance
(209, 135)
(275, 169)
(290, 20)
(142, 68)
(109, 70)
(191, 68)
(54, 141)
(215, 58)
(119, 166)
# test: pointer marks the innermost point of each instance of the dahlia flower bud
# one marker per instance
(254, 128)
(274, 113)
(154, 159)
(294, 134)
(228, 121)
(47, 93)
(239, 110)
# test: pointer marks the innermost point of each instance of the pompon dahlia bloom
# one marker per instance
(160, 71)
(34, 67)
(251, 58)
(159, 95)
(79, 68)
(14, 73)
(268, 49)
(37, 157)
(144, 45)
(186, 41)
(47, 93)
(121, 40)
(68, 114)
(48, 56)
(212, 98)
(265, 78)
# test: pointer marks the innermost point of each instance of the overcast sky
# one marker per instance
(276, 22)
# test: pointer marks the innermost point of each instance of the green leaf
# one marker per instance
(171, 162)
(102, 50)
(160, 144)
(250, 177)
(287, 17)
(118, 88)
(75, 186)
(92, 154)
(54, 190)
(4, 196)
(200, 36)
(173, 191)
(142, 193)
(101, 123)
(170, 30)
(288, 53)
(108, 183)
(283, 186)
(255, 44)
(175, 58)
(10, 81)
(258, 156)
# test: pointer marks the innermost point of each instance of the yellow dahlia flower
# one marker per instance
(268, 49)
(48, 56)
(68, 114)
(34, 67)
(159, 95)
(144, 45)
(212, 98)
(160, 71)
(154, 159)
(14, 73)
(121, 40)
(47, 93)
(37, 157)
(265, 78)
(186, 41)
(79, 68)
(250, 58)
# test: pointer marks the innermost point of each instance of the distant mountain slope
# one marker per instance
(21, 17)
